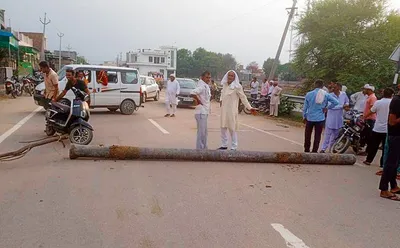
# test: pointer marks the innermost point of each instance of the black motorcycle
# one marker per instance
(71, 119)
(350, 133)
(261, 104)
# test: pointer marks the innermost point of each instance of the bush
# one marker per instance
(286, 107)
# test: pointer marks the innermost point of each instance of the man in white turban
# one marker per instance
(232, 91)
(171, 95)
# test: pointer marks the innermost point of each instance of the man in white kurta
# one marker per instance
(171, 95)
(275, 100)
(232, 91)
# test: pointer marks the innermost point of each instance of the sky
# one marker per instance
(100, 29)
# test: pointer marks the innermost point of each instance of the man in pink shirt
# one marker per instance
(370, 117)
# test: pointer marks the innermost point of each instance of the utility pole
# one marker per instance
(69, 50)
(278, 54)
(59, 52)
(45, 22)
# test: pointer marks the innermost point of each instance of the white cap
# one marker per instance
(369, 87)
(271, 81)
(172, 75)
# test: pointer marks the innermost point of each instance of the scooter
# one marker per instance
(28, 86)
(72, 120)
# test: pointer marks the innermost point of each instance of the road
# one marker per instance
(47, 200)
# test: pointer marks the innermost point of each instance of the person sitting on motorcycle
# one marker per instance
(73, 82)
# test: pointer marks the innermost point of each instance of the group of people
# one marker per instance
(232, 92)
(270, 91)
(324, 107)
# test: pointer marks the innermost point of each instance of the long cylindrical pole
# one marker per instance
(45, 22)
(138, 153)
(59, 54)
(278, 53)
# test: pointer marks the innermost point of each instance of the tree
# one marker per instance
(267, 67)
(193, 64)
(349, 40)
(81, 60)
(253, 67)
(286, 72)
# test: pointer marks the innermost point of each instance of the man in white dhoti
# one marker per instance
(275, 100)
(202, 96)
(232, 91)
(171, 95)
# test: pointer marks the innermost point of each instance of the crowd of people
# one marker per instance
(324, 108)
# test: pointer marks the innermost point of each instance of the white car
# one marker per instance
(150, 88)
(123, 90)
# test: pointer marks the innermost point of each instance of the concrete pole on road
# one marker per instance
(278, 54)
(45, 22)
(59, 54)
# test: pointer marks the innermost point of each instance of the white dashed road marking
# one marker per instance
(159, 127)
(18, 125)
(291, 240)
(272, 134)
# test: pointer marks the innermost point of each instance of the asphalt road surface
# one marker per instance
(47, 200)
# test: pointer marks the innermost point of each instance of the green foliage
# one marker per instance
(286, 107)
(81, 60)
(285, 72)
(267, 67)
(349, 40)
(193, 64)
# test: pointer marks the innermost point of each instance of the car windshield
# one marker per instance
(61, 73)
(187, 84)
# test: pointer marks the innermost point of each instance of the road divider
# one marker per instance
(137, 153)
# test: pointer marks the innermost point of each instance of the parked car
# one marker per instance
(187, 85)
(150, 88)
(122, 91)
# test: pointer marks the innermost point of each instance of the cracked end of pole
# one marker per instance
(72, 152)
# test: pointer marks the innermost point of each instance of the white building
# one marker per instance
(149, 61)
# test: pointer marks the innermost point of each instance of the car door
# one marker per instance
(109, 95)
(150, 87)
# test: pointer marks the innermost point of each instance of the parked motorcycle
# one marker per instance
(18, 85)
(350, 133)
(28, 86)
(13, 87)
(71, 119)
(261, 104)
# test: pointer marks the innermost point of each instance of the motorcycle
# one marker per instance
(28, 86)
(261, 104)
(13, 87)
(350, 133)
(72, 120)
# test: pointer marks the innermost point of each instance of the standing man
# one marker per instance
(369, 117)
(314, 116)
(358, 100)
(171, 95)
(264, 88)
(232, 91)
(393, 154)
(50, 82)
(202, 96)
(275, 100)
(254, 88)
(271, 87)
(378, 136)
(334, 119)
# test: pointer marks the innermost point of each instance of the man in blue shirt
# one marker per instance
(315, 105)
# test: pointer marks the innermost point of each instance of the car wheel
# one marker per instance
(157, 97)
(144, 97)
(127, 107)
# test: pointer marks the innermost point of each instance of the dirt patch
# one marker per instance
(155, 207)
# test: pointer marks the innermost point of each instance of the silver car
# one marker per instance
(187, 85)
(150, 89)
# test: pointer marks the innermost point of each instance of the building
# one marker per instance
(2, 19)
(28, 55)
(39, 41)
(8, 45)
(148, 62)
(73, 55)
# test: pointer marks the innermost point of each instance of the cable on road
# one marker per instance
(14, 155)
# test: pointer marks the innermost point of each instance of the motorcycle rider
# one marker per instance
(73, 82)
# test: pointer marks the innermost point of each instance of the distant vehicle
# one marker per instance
(187, 86)
(122, 91)
(150, 88)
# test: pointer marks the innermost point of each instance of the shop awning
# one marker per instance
(8, 40)
(29, 50)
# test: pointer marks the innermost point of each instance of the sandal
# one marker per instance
(391, 197)
(379, 173)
